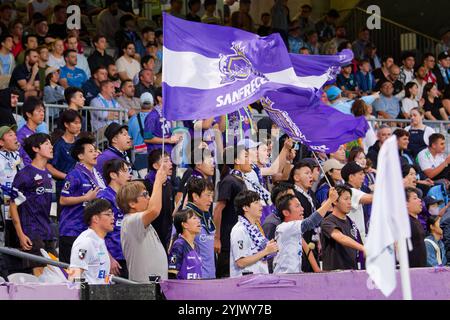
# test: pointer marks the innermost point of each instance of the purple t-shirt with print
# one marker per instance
(153, 125)
(36, 186)
(186, 260)
(22, 134)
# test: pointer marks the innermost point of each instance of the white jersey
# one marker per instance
(90, 254)
(10, 163)
(288, 236)
(427, 161)
(242, 246)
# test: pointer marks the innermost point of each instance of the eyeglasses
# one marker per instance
(144, 194)
(109, 214)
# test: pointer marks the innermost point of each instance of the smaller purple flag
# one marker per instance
(318, 66)
(320, 127)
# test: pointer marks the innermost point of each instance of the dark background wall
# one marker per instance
(426, 16)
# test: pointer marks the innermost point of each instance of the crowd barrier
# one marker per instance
(426, 283)
(122, 117)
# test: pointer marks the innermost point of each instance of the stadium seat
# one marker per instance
(22, 278)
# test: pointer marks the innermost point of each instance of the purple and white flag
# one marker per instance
(212, 70)
(318, 126)
(320, 69)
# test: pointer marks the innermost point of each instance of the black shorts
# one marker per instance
(38, 244)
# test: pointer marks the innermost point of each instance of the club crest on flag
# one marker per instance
(237, 66)
(333, 72)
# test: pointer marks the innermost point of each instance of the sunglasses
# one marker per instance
(144, 194)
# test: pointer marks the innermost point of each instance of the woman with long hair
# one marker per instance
(434, 110)
(410, 101)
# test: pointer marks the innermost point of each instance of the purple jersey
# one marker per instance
(112, 239)
(205, 242)
(153, 125)
(186, 260)
(22, 134)
(78, 182)
(34, 211)
(110, 153)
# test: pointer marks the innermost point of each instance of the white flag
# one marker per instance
(389, 221)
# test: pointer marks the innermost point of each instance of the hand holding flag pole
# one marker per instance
(321, 168)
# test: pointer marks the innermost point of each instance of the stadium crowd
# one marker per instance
(226, 196)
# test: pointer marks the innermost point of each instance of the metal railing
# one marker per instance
(27, 256)
(438, 126)
(393, 38)
(52, 112)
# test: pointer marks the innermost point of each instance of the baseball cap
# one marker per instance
(443, 55)
(147, 97)
(430, 200)
(350, 168)
(248, 143)
(50, 70)
(113, 129)
(5, 129)
(331, 164)
(333, 92)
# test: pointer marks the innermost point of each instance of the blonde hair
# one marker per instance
(129, 193)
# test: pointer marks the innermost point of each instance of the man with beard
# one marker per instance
(127, 100)
(25, 77)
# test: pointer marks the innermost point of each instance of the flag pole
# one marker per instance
(320, 166)
(163, 120)
(404, 269)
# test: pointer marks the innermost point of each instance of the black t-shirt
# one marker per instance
(433, 108)
(334, 255)
(229, 188)
(307, 236)
(379, 75)
(21, 72)
(163, 223)
(96, 59)
(418, 255)
(308, 210)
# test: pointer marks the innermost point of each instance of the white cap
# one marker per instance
(147, 97)
(248, 143)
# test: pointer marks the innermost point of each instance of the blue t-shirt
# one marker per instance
(62, 160)
(75, 78)
(389, 105)
(186, 260)
(34, 212)
(112, 239)
(6, 61)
